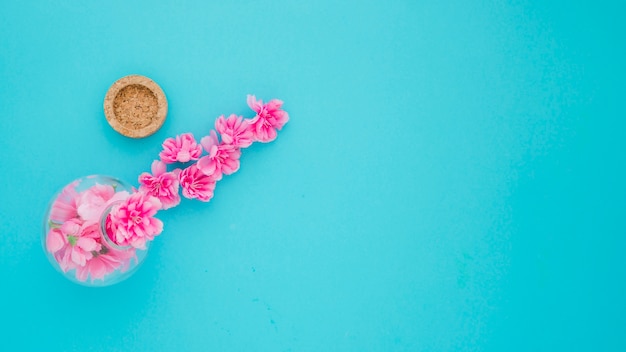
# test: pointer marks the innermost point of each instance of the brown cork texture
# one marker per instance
(135, 106)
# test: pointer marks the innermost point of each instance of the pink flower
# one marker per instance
(55, 240)
(183, 149)
(222, 158)
(196, 184)
(105, 262)
(98, 267)
(56, 243)
(234, 131)
(64, 207)
(71, 244)
(161, 184)
(268, 120)
(91, 203)
(133, 222)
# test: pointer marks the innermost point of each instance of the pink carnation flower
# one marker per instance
(91, 203)
(196, 184)
(64, 207)
(71, 245)
(268, 120)
(234, 131)
(57, 244)
(222, 158)
(184, 148)
(105, 262)
(161, 184)
(133, 222)
(98, 267)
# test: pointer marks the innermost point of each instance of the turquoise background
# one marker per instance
(452, 177)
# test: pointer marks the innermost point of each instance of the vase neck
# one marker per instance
(105, 228)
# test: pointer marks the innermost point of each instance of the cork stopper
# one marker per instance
(135, 106)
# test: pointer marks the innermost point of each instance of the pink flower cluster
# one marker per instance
(216, 155)
(75, 238)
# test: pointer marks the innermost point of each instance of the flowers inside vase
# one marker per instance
(97, 230)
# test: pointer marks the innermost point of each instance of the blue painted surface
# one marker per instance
(452, 177)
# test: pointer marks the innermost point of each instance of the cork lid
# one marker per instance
(135, 106)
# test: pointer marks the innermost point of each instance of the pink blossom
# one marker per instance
(222, 158)
(71, 244)
(161, 184)
(98, 267)
(55, 240)
(105, 262)
(57, 244)
(91, 203)
(64, 206)
(91, 230)
(234, 130)
(268, 120)
(184, 148)
(196, 184)
(133, 222)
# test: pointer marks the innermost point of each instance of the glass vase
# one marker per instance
(76, 237)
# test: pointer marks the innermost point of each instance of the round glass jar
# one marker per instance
(75, 237)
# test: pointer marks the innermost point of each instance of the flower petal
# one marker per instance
(158, 168)
(87, 244)
(54, 241)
